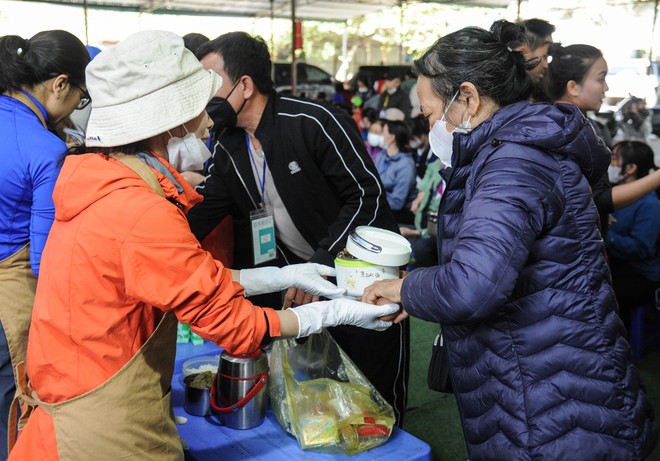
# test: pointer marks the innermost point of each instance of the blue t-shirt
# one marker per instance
(398, 176)
(633, 237)
(31, 160)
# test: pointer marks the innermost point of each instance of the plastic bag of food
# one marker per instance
(320, 397)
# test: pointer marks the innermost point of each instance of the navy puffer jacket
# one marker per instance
(540, 365)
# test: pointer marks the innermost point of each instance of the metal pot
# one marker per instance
(239, 394)
(196, 400)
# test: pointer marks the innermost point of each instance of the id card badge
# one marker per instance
(263, 236)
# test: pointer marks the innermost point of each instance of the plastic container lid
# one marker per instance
(379, 246)
(200, 364)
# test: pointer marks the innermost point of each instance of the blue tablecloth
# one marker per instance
(208, 440)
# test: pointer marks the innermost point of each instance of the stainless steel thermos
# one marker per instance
(239, 393)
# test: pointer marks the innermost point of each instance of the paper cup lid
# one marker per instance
(378, 246)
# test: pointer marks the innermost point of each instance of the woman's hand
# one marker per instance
(390, 289)
(386, 292)
(418, 200)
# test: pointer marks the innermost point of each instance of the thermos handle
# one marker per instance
(365, 244)
(263, 379)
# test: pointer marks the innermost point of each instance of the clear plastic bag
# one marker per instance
(320, 397)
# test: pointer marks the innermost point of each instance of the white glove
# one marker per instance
(313, 317)
(307, 276)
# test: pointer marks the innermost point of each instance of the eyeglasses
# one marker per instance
(85, 98)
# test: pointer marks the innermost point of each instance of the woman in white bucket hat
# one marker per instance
(121, 267)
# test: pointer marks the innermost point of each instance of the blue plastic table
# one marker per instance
(208, 440)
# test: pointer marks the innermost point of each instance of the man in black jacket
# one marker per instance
(304, 168)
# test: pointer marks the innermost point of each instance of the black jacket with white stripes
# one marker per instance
(322, 172)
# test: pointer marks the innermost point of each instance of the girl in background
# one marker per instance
(632, 240)
(396, 168)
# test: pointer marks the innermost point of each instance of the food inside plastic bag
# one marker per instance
(321, 397)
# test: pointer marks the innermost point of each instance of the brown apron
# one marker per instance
(128, 417)
(17, 287)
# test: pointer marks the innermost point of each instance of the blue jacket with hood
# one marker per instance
(539, 361)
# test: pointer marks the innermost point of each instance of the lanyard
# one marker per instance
(262, 178)
(34, 105)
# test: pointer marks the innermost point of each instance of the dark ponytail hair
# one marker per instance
(27, 62)
(482, 58)
(569, 63)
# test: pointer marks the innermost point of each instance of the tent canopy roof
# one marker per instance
(325, 10)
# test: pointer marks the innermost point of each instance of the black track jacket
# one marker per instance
(322, 171)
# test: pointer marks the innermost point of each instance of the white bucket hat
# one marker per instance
(145, 85)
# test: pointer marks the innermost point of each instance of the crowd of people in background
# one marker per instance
(528, 218)
(562, 74)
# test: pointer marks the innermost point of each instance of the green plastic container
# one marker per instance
(182, 333)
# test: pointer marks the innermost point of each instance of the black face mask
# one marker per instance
(222, 113)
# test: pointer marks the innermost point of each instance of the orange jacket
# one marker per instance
(117, 256)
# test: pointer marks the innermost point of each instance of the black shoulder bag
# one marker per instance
(439, 376)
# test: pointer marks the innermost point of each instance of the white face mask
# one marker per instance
(188, 153)
(383, 143)
(415, 143)
(441, 140)
(614, 174)
(391, 90)
(374, 140)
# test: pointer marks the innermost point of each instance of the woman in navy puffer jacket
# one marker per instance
(539, 361)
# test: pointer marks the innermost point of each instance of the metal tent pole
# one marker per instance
(293, 48)
(86, 23)
(401, 20)
(272, 28)
(655, 17)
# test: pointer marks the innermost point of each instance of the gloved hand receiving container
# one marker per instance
(307, 276)
(313, 317)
